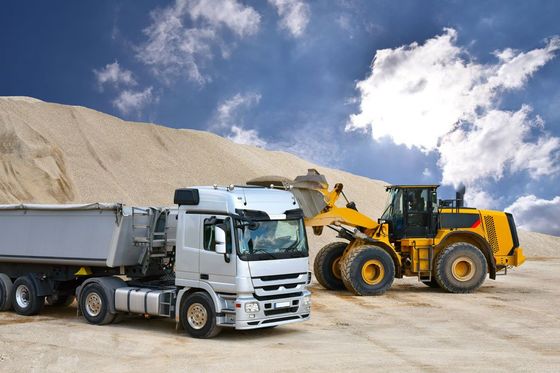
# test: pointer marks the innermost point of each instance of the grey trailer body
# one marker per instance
(225, 257)
(96, 234)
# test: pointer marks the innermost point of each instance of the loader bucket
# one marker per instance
(271, 180)
(309, 190)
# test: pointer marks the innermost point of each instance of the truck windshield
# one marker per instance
(273, 239)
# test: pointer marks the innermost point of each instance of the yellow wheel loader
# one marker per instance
(441, 242)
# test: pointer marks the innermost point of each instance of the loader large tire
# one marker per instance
(327, 266)
(460, 268)
(368, 270)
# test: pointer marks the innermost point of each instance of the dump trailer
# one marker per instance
(441, 242)
(223, 257)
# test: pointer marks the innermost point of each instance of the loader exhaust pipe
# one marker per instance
(460, 195)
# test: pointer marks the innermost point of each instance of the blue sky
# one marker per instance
(403, 91)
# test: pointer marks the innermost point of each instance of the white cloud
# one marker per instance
(113, 74)
(294, 15)
(495, 143)
(435, 97)
(133, 101)
(228, 119)
(534, 214)
(246, 137)
(182, 38)
(416, 94)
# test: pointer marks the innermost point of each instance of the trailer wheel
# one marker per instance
(368, 270)
(198, 316)
(24, 297)
(460, 268)
(5, 292)
(327, 266)
(94, 305)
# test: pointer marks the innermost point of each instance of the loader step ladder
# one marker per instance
(424, 255)
(149, 228)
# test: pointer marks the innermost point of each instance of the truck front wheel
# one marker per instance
(198, 316)
(94, 305)
(5, 292)
(24, 297)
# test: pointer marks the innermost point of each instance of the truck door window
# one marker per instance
(209, 239)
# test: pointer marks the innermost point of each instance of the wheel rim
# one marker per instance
(335, 268)
(93, 304)
(373, 272)
(463, 268)
(23, 296)
(197, 316)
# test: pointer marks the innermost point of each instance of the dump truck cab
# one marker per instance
(252, 255)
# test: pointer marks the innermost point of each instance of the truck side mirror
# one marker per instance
(220, 239)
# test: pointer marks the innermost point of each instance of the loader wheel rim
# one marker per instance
(463, 268)
(335, 269)
(373, 272)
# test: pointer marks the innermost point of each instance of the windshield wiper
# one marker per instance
(258, 251)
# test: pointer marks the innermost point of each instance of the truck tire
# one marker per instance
(368, 270)
(460, 268)
(94, 305)
(327, 266)
(198, 316)
(5, 292)
(24, 297)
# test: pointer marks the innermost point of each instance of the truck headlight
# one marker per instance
(307, 301)
(252, 307)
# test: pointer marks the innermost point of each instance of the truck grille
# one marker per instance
(279, 286)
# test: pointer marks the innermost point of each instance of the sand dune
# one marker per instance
(53, 153)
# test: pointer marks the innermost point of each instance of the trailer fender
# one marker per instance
(475, 239)
(43, 286)
(201, 286)
(109, 285)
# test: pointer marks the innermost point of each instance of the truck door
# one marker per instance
(218, 270)
(188, 247)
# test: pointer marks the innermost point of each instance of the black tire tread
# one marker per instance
(6, 289)
(213, 330)
(319, 266)
(443, 282)
(37, 303)
(108, 317)
(346, 265)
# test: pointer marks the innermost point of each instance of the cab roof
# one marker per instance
(401, 186)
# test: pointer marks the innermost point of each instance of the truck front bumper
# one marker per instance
(272, 312)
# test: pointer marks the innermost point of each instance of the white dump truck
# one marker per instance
(224, 257)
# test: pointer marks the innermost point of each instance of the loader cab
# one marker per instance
(411, 211)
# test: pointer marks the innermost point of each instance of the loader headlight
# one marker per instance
(252, 307)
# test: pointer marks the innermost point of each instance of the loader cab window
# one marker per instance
(209, 243)
(410, 212)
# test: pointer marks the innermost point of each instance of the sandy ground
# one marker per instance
(511, 324)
